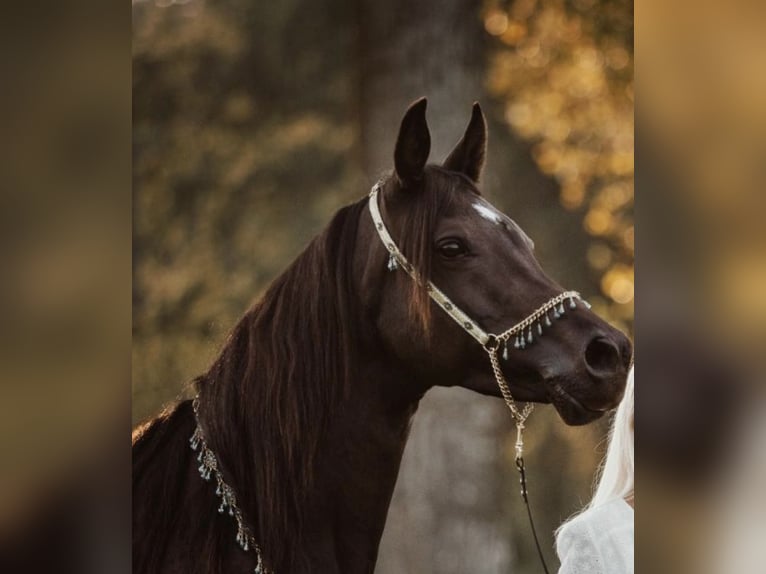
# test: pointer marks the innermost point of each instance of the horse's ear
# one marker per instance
(468, 155)
(412, 145)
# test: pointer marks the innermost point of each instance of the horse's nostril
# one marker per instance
(602, 357)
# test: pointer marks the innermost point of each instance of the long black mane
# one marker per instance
(267, 400)
(273, 390)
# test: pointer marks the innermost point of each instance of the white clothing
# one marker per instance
(598, 541)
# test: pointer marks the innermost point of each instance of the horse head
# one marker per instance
(485, 264)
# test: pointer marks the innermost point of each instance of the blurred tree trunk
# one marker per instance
(447, 514)
(432, 48)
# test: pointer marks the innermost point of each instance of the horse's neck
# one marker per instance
(363, 452)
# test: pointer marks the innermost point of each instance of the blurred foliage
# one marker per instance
(564, 71)
(703, 122)
(231, 178)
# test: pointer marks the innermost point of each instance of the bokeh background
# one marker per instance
(701, 141)
(253, 122)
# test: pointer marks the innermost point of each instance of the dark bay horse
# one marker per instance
(308, 406)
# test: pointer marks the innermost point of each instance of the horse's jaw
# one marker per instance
(533, 388)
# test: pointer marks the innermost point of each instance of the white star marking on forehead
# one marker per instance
(491, 214)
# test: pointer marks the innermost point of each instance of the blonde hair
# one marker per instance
(615, 479)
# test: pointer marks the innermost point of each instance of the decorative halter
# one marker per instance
(523, 333)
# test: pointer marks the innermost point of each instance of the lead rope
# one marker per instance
(523, 481)
(519, 419)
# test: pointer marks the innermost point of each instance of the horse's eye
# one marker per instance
(451, 248)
